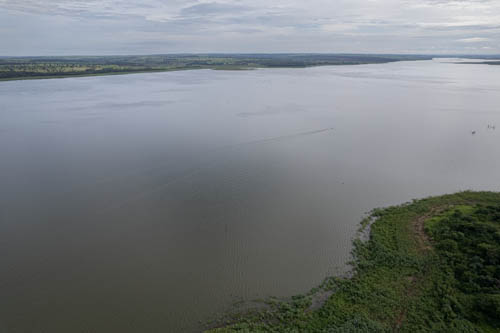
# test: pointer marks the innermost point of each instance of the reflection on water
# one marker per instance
(150, 202)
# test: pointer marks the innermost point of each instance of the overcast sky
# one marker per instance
(65, 27)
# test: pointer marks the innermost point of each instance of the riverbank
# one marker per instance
(24, 68)
(432, 265)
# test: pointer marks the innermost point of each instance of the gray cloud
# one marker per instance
(212, 8)
(474, 40)
(165, 26)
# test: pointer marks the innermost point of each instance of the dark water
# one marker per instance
(149, 202)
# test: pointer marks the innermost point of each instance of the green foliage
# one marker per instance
(469, 247)
(404, 281)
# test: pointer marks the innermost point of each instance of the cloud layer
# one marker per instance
(43, 27)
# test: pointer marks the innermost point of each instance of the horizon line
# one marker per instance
(256, 53)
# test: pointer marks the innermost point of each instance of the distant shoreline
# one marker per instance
(36, 68)
(67, 76)
(39, 68)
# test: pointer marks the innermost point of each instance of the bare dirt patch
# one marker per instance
(418, 226)
(423, 245)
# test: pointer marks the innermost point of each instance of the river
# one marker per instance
(152, 202)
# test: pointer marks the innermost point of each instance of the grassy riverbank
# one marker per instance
(432, 265)
(22, 68)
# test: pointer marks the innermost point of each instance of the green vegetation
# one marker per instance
(432, 265)
(16, 68)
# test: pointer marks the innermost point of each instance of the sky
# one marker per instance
(105, 27)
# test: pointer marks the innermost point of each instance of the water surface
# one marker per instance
(150, 202)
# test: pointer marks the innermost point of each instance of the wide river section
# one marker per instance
(152, 202)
